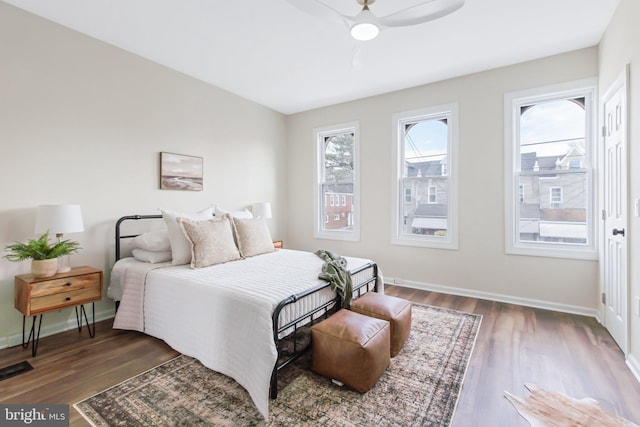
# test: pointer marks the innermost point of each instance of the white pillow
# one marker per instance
(153, 257)
(245, 213)
(180, 245)
(252, 236)
(153, 241)
(211, 241)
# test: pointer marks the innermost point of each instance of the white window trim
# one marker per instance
(554, 202)
(451, 240)
(512, 103)
(318, 137)
(433, 193)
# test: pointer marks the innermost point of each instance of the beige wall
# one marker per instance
(84, 122)
(620, 46)
(480, 266)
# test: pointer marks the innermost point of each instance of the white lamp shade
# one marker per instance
(261, 209)
(365, 27)
(59, 219)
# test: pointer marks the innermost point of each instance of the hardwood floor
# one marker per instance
(516, 345)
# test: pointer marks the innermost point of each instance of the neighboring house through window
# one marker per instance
(549, 146)
(337, 180)
(425, 170)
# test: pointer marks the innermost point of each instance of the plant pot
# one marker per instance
(44, 267)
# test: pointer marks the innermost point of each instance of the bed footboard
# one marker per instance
(297, 344)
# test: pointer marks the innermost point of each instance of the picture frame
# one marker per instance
(181, 172)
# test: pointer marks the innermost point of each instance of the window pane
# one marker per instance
(555, 210)
(341, 214)
(552, 135)
(421, 216)
(338, 158)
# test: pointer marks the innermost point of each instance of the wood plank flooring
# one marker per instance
(516, 345)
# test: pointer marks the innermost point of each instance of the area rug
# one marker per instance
(544, 408)
(420, 388)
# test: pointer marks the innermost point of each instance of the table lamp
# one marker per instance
(59, 219)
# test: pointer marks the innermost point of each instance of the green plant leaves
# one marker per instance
(40, 248)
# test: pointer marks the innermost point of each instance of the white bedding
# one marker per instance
(221, 315)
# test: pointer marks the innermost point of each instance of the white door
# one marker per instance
(614, 175)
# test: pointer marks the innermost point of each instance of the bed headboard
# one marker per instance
(120, 236)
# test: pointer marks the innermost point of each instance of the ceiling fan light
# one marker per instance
(365, 28)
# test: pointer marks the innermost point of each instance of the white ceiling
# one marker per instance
(274, 54)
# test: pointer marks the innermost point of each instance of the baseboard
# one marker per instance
(527, 302)
(634, 366)
(55, 328)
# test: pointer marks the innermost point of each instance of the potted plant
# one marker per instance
(43, 255)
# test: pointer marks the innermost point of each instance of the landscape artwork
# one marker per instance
(180, 172)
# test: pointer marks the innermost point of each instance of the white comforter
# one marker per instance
(220, 315)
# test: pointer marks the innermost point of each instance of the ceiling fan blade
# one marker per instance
(319, 9)
(421, 13)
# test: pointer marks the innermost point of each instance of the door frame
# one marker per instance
(622, 80)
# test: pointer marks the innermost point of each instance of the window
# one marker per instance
(556, 195)
(549, 143)
(337, 180)
(407, 195)
(432, 194)
(425, 169)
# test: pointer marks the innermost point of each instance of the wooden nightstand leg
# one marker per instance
(33, 338)
(92, 331)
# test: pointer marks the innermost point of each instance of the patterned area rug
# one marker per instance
(548, 408)
(420, 388)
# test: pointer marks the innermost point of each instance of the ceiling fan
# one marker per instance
(366, 26)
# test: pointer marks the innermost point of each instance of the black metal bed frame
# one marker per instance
(318, 313)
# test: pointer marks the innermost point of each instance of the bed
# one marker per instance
(244, 318)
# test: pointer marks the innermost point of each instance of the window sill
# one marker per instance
(551, 252)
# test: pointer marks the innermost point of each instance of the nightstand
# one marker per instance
(35, 296)
(278, 244)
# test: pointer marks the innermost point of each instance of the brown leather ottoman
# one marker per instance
(351, 348)
(396, 311)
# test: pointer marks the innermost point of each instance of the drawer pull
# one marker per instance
(67, 299)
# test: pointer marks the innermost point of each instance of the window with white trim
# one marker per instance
(555, 194)
(337, 180)
(425, 167)
(432, 194)
(549, 146)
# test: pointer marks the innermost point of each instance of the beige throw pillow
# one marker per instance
(252, 236)
(180, 245)
(211, 241)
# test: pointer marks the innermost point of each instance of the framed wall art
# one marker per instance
(180, 172)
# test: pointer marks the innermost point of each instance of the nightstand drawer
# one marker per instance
(66, 299)
(64, 285)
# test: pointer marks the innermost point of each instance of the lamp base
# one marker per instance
(64, 264)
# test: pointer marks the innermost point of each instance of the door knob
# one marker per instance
(620, 232)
